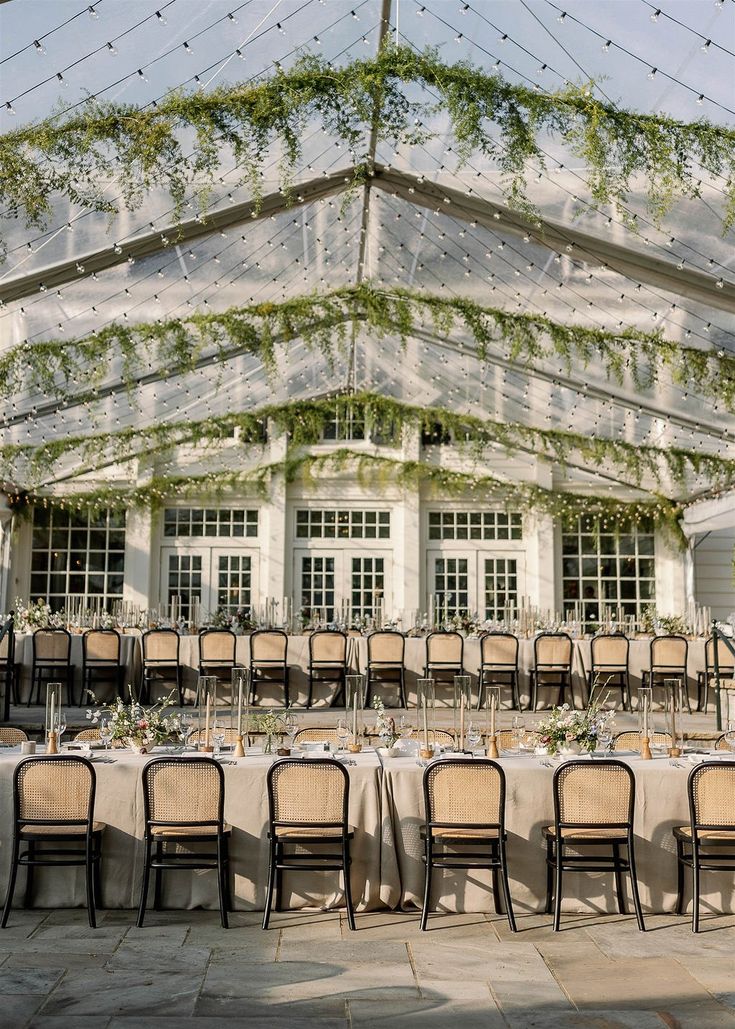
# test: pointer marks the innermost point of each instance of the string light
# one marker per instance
(160, 18)
(40, 48)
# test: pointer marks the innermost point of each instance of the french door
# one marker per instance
(212, 577)
(342, 584)
(475, 582)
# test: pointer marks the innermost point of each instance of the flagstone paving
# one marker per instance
(468, 971)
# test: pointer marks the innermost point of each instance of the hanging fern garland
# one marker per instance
(141, 149)
(384, 419)
(59, 368)
(374, 472)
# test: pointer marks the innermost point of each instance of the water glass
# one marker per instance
(474, 736)
(343, 734)
(218, 737)
(105, 730)
(519, 733)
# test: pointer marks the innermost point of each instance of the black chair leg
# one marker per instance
(310, 694)
(279, 878)
(634, 884)
(221, 887)
(427, 883)
(28, 898)
(145, 884)
(228, 891)
(11, 882)
(402, 688)
(346, 865)
(506, 888)
(557, 887)
(285, 687)
(271, 884)
(496, 886)
(696, 888)
(89, 883)
(619, 891)
(157, 882)
(98, 876)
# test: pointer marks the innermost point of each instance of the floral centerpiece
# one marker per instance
(138, 727)
(571, 731)
(385, 726)
(273, 726)
(34, 615)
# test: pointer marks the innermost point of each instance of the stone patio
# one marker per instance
(467, 971)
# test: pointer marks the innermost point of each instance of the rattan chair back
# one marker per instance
(459, 792)
(669, 653)
(328, 646)
(444, 648)
(313, 793)
(54, 789)
(160, 646)
(6, 647)
(52, 646)
(553, 651)
(505, 739)
(316, 734)
(9, 734)
(184, 793)
(386, 647)
(230, 734)
(711, 788)
(630, 739)
(499, 649)
(268, 645)
(725, 660)
(217, 647)
(594, 793)
(101, 646)
(610, 653)
(722, 743)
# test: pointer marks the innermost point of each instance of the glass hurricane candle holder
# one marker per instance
(354, 699)
(673, 710)
(492, 706)
(240, 708)
(426, 700)
(54, 716)
(645, 720)
(207, 702)
(462, 704)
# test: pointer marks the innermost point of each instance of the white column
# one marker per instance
(142, 559)
(275, 543)
(409, 548)
(7, 524)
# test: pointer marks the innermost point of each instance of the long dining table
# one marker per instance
(386, 810)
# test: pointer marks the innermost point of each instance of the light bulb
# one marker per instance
(141, 75)
(40, 48)
(606, 46)
(187, 48)
(110, 48)
(652, 73)
(700, 99)
(91, 11)
(706, 45)
(160, 17)
(561, 17)
(656, 13)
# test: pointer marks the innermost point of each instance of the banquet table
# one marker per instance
(661, 803)
(119, 803)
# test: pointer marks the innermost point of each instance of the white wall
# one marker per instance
(713, 571)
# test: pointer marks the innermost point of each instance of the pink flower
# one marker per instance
(142, 723)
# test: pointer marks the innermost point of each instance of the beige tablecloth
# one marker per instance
(120, 804)
(661, 802)
(129, 653)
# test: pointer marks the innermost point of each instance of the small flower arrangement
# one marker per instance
(138, 727)
(564, 728)
(34, 615)
(273, 727)
(385, 726)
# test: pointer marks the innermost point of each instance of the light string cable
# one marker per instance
(90, 9)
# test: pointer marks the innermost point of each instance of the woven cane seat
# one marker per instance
(60, 830)
(601, 834)
(451, 833)
(312, 832)
(684, 832)
(11, 735)
(168, 831)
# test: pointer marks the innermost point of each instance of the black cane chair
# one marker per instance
(552, 665)
(161, 661)
(308, 803)
(385, 663)
(101, 661)
(609, 666)
(184, 803)
(328, 662)
(51, 662)
(465, 808)
(269, 661)
(499, 664)
(8, 671)
(668, 661)
(444, 657)
(707, 844)
(594, 805)
(707, 675)
(53, 803)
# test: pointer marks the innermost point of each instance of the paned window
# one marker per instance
(184, 582)
(234, 582)
(368, 585)
(77, 554)
(605, 566)
(475, 525)
(336, 524)
(209, 521)
(317, 586)
(451, 585)
(500, 586)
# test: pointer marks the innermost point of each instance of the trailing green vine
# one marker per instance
(141, 149)
(383, 419)
(61, 368)
(374, 472)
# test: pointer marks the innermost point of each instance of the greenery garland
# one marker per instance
(305, 421)
(141, 148)
(373, 471)
(60, 368)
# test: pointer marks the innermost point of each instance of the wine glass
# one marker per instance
(405, 727)
(604, 738)
(290, 728)
(519, 733)
(218, 737)
(343, 733)
(105, 730)
(186, 728)
(60, 725)
(474, 736)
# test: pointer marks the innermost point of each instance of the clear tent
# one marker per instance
(406, 238)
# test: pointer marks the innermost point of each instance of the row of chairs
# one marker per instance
(308, 803)
(553, 653)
